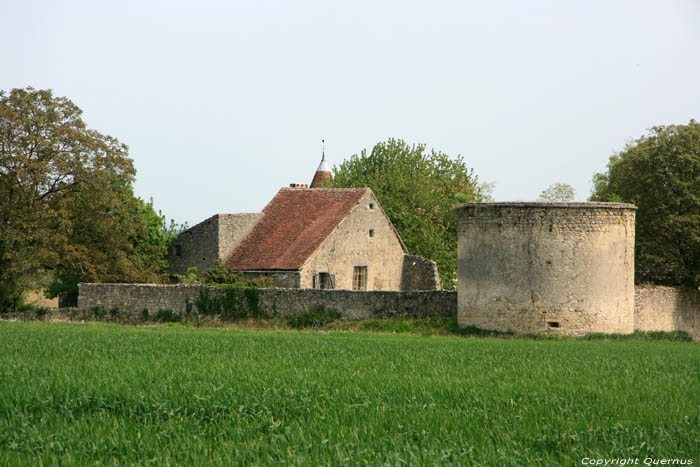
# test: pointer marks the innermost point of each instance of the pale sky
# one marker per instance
(223, 103)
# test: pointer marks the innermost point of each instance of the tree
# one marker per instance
(558, 192)
(66, 203)
(418, 190)
(660, 173)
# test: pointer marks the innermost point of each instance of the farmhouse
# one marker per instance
(309, 237)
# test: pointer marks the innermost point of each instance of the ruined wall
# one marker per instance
(667, 309)
(195, 247)
(350, 245)
(419, 273)
(564, 268)
(233, 229)
(134, 298)
(211, 240)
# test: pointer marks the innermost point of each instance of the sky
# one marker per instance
(222, 103)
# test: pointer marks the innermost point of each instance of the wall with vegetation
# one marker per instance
(183, 299)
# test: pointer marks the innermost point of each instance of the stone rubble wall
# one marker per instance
(419, 274)
(667, 309)
(134, 298)
(560, 268)
(212, 240)
(655, 309)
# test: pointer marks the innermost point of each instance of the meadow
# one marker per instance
(75, 393)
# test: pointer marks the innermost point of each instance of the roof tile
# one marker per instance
(296, 221)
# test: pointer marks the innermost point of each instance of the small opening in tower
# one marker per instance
(371, 205)
(178, 250)
(371, 232)
(553, 324)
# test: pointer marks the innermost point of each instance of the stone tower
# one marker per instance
(565, 268)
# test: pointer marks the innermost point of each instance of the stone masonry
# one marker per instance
(667, 309)
(210, 241)
(419, 273)
(134, 298)
(565, 268)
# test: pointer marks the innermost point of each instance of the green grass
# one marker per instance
(78, 394)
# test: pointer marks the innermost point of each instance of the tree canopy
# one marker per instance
(418, 190)
(67, 208)
(660, 173)
(558, 192)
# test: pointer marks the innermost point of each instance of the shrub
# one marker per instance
(221, 275)
(191, 277)
(98, 311)
(314, 317)
(167, 316)
(114, 313)
(232, 303)
(145, 314)
(40, 312)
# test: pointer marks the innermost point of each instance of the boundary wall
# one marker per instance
(134, 298)
(669, 309)
(655, 308)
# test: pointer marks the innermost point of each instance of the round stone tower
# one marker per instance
(564, 268)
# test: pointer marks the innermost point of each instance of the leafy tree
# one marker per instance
(558, 192)
(484, 192)
(418, 190)
(660, 173)
(66, 204)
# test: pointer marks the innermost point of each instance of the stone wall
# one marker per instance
(195, 247)
(209, 241)
(565, 268)
(667, 309)
(233, 229)
(134, 298)
(419, 273)
(352, 244)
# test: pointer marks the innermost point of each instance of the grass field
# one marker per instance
(86, 393)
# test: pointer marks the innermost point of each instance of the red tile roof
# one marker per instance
(320, 179)
(296, 221)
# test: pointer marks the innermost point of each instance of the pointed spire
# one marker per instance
(323, 173)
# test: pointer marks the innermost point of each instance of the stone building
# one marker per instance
(565, 268)
(309, 237)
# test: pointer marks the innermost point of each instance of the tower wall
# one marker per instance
(563, 268)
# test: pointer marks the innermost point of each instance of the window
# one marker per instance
(371, 232)
(178, 250)
(359, 278)
(371, 205)
(324, 280)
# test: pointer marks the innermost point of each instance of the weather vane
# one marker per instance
(323, 141)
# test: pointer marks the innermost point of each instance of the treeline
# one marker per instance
(68, 213)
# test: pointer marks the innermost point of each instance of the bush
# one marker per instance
(40, 312)
(232, 303)
(314, 317)
(145, 314)
(167, 316)
(12, 299)
(221, 275)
